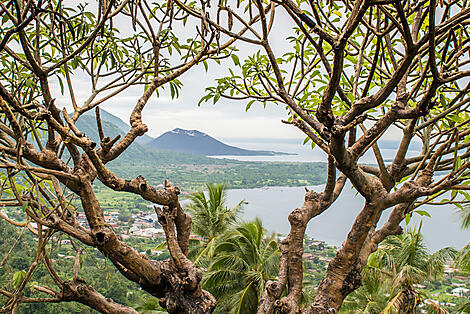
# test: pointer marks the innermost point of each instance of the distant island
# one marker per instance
(199, 143)
(190, 171)
(178, 140)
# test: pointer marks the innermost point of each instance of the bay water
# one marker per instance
(273, 204)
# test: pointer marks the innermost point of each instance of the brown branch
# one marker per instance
(86, 43)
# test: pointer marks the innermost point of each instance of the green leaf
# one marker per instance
(216, 97)
(25, 206)
(422, 213)
(337, 13)
(5, 18)
(407, 218)
(204, 99)
(172, 91)
(235, 59)
(443, 101)
(61, 84)
(161, 246)
(18, 277)
(90, 15)
(104, 57)
(249, 105)
(458, 163)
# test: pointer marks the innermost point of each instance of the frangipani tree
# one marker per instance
(47, 162)
(352, 71)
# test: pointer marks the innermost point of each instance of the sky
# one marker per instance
(226, 119)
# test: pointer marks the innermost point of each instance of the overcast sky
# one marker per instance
(226, 119)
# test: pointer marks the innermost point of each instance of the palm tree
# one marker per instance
(392, 272)
(149, 305)
(465, 214)
(372, 296)
(408, 261)
(463, 258)
(211, 218)
(244, 260)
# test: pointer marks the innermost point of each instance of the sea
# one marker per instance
(273, 204)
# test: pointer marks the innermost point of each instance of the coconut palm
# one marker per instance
(242, 263)
(392, 272)
(149, 305)
(465, 308)
(463, 258)
(211, 218)
(372, 296)
(408, 261)
(465, 215)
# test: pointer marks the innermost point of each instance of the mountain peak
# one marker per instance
(188, 132)
(199, 143)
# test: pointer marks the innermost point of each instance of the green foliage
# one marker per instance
(371, 297)
(392, 272)
(465, 215)
(211, 218)
(18, 278)
(149, 305)
(463, 259)
(106, 280)
(244, 260)
(465, 308)
(112, 51)
(407, 258)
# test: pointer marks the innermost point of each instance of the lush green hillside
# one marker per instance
(106, 116)
(191, 176)
(191, 171)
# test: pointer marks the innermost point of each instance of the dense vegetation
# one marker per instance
(241, 257)
(348, 73)
(94, 269)
(190, 172)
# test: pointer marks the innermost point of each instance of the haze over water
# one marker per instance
(300, 153)
(274, 204)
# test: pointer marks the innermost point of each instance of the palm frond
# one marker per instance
(465, 215)
(464, 308)
(243, 260)
(463, 259)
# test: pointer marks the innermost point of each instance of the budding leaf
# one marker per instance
(18, 277)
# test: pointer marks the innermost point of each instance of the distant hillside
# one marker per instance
(87, 124)
(191, 171)
(138, 153)
(195, 142)
(123, 126)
